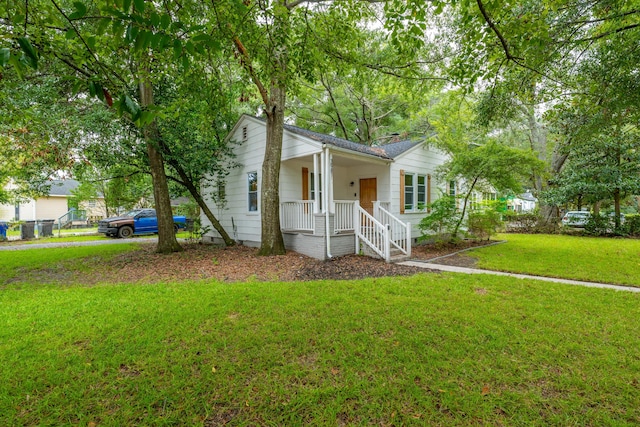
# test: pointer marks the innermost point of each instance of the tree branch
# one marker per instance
(494, 28)
(75, 29)
(245, 62)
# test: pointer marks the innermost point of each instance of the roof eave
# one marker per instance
(357, 153)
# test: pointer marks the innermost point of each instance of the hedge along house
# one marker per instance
(336, 197)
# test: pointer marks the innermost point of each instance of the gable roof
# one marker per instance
(63, 187)
(386, 151)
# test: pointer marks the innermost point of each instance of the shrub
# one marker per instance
(632, 223)
(604, 225)
(439, 224)
(484, 224)
(521, 223)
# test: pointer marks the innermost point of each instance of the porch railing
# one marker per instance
(344, 215)
(399, 232)
(297, 215)
(372, 232)
(67, 219)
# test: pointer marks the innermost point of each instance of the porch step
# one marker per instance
(398, 256)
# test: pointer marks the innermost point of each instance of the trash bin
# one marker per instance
(27, 230)
(4, 226)
(45, 228)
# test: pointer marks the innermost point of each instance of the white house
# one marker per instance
(53, 206)
(337, 197)
(523, 203)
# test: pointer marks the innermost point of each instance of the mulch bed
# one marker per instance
(241, 263)
(236, 264)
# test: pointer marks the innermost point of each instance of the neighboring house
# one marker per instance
(480, 200)
(523, 203)
(53, 206)
(337, 197)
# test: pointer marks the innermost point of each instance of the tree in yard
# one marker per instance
(535, 55)
(121, 48)
(358, 101)
(476, 162)
(42, 124)
(86, 38)
(281, 43)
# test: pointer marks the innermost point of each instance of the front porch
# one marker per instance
(344, 228)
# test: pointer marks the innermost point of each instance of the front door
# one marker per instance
(368, 193)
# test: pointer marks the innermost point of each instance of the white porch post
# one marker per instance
(327, 197)
(323, 162)
(316, 181)
(376, 209)
(356, 223)
(328, 190)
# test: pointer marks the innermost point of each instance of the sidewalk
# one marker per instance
(464, 270)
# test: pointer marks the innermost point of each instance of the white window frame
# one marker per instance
(415, 192)
(251, 192)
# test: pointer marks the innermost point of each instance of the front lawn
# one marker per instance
(423, 350)
(595, 259)
(20, 265)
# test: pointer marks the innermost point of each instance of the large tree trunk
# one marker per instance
(272, 242)
(167, 242)
(464, 209)
(538, 141)
(616, 205)
(188, 183)
(193, 190)
(550, 214)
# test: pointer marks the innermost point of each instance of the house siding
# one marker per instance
(51, 207)
(421, 160)
(7, 212)
(315, 245)
(249, 155)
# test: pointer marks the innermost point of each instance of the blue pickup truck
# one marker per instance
(135, 222)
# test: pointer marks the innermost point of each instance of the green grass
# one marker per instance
(599, 259)
(426, 350)
(15, 263)
(15, 231)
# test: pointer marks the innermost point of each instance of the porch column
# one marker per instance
(323, 168)
(316, 181)
(328, 180)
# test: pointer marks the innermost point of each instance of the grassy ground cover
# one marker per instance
(22, 262)
(424, 350)
(606, 260)
(15, 231)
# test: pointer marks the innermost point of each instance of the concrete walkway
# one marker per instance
(465, 270)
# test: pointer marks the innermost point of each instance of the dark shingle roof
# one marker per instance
(63, 187)
(387, 151)
(528, 197)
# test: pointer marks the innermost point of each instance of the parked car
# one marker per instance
(576, 219)
(137, 221)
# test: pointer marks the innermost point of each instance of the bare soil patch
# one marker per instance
(240, 264)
